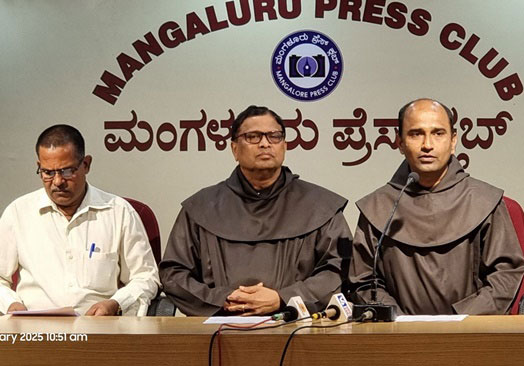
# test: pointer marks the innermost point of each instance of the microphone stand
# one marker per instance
(381, 312)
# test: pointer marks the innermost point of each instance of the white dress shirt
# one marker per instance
(101, 253)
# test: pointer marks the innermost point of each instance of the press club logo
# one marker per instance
(307, 65)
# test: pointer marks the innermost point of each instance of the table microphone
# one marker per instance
(382, 312)
(288, 314)
(295, 309)
(332, 313)
(338, 308)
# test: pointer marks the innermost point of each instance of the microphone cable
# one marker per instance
(365, 316)
(243, 328)
(234, 326)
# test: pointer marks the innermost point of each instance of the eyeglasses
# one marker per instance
(66, 173)
(254, 137)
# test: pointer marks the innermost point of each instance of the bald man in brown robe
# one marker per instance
(250, 243)
(451, 248)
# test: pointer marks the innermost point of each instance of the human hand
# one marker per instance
(104, 307)
(253, 300)
(16, 306)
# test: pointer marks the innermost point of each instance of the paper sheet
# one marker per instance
(430, 318)
(236, 319)
(65, 311)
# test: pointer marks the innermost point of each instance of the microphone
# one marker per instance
(294, 310)
(298, 304)
(331, 312)
(288, 314)
(413, 177)
(382, 312)
(338, 308)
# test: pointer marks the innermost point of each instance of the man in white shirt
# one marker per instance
(73, 244)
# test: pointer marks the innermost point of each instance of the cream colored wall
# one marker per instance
(54, 52)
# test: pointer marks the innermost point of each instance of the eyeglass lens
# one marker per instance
(255, 137)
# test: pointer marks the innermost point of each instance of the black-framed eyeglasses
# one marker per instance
(254, 137)
(66, 173)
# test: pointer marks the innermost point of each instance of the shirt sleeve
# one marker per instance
(8, 260)
(138, 270)
(500, 269)
(361, 268)
(332, 250)
(181, 274)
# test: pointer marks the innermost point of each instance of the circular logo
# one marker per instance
(307, 65)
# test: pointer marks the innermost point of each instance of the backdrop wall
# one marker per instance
(153, 87)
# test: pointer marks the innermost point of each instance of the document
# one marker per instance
(236, 319)
(431, 318)
(65, 311)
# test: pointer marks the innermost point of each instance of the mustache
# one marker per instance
(55, 190)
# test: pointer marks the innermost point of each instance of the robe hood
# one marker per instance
(431, 217)
(235, 211)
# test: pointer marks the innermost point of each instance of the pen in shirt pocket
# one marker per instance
(92, 249)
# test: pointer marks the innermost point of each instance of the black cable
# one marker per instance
(211, 342)
(359, 319)
(210, 352)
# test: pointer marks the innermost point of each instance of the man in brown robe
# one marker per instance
(451, 247)
(250, 243)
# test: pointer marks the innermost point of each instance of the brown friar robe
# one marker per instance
(292, 237)
(450, 249)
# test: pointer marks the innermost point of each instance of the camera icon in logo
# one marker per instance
(307, 66)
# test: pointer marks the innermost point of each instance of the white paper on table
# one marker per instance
(237, 319)
(431, 318)
(65, 311)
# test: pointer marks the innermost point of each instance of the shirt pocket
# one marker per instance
(100, 272)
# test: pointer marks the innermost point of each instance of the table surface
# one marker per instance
(194, 325)
(153, 341)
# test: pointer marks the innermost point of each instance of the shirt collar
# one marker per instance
(92, 200)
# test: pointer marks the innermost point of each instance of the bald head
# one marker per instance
(422, 103)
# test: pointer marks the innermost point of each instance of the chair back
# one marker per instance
(517, 217)
(14, 280)
(160, 305)
(150, 224)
